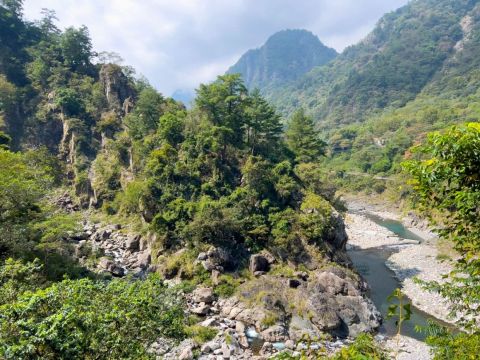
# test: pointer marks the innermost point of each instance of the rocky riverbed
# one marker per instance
(410, 259)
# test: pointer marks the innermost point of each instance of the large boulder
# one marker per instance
(110, 266)
(205, 295)
(259, 262)
(340, 307)
(275, 333)
(133, 243)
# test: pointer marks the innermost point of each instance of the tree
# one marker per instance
(303, 139)
(22, 184)
(76, 48)
(447, 184)
(145, 117)
(263, 126)
(13, 6)
(224, 102)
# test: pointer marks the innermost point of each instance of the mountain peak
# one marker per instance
(286, 56)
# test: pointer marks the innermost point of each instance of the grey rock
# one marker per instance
(275, 333)
(186, 354)
(201, 309)
(259, 262)
(133, 243)
(204, 295)
(202, 256)
(289, 344)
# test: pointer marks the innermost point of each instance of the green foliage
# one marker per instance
(22, 184)
(76, 47)
(451, 346)
(226, 287)
(446, 179)
(68, 101)
(399, 309)
(303, 139)
(146, 115)
(5, 141)
(364, 348)
(200, 334)
(90, 320)
(17, 277)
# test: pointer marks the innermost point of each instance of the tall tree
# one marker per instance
(303, 139)
(263, 126)
(77, 48)
(224, 102)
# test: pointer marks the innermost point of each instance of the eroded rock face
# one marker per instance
(117, 89)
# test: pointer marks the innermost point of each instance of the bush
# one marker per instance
(200, 334)
(84, 319)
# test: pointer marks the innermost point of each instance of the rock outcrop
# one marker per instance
(118, 91)
(123, 253)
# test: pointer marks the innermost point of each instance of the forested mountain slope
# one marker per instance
(285, 57)
(417, 71)
(387, 69)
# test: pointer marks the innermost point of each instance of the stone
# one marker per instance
(204, 295)
(202, 256)
(266, 348)
(211, 322)
(259, 273)
(226, 351)
(293, 283)
(144, 260)
(216, 277)
(186, 354)
(201, 309)
(275, 333)
(267, 255)
(240, 327)
(133, 243)
(208, 265)
(289, 344)
(107, 264)
(259, 262)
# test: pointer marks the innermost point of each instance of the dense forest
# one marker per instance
(135, 228)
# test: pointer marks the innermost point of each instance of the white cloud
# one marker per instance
(178, 44)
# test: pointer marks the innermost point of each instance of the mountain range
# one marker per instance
(417, 71)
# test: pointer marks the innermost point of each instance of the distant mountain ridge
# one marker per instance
(285, 57)
(416, 72)
(410, 48)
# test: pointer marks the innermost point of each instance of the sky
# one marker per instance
(178, 44)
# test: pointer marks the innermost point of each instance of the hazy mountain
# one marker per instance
(286, 56)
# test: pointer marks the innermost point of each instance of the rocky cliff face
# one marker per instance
(285, 57)
(117, 89)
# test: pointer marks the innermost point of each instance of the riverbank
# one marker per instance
(409, 259)
(412, 260)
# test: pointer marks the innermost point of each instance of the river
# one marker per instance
(370, 263)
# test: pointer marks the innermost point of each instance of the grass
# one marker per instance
(200, 334)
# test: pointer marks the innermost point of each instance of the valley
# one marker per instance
(304, 204)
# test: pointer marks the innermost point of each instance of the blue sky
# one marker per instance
(178, 44)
